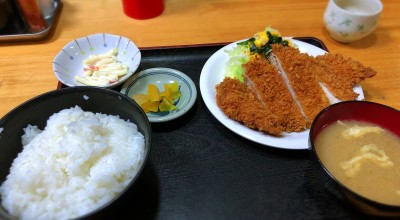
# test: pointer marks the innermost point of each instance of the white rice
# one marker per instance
(79, 162)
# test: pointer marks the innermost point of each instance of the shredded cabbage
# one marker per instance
(237, 56)
(258, 45)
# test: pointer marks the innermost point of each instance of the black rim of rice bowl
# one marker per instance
(37, 110)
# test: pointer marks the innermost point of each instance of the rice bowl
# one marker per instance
(98, 175)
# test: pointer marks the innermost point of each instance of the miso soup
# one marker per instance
(364, 157)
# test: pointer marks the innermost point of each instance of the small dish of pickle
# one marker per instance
(163, 94)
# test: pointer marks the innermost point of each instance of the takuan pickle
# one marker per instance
(155, 101)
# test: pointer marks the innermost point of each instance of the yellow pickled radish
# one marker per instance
(153, 93)
(176, 95)
(167, 92)
(150, 106)
(155, 100)
(174, 87)
(166, 105)
(140, 98)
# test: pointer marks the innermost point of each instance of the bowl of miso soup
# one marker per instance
(356, 147)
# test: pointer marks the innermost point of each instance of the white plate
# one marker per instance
(68, 62)
(213, 73)
(138, 84)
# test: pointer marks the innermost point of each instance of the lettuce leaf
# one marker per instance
(237, 56)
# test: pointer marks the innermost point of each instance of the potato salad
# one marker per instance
(102, 69)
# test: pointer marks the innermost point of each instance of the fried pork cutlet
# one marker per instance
(264, 80)
(297, 69)
(237, 102)
(286, 92)
(340, 74)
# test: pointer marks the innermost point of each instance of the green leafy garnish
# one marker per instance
(260, 44)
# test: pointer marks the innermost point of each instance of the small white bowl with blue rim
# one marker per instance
(68, 62)
(139, 82)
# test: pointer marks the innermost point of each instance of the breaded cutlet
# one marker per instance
(265, 81)
(284, 93)
(340, 74)
(236, 100)
(299, 68)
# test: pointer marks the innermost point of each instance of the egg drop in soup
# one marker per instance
(364, 157)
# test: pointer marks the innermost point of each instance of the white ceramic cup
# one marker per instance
(351, 20)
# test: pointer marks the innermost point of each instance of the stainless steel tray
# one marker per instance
(21, 32)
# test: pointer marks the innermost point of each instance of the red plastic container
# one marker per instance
(32, 14)
(143, 9)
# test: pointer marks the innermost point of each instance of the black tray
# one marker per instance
(198, 169)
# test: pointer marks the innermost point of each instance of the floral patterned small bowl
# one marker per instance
(351, 20)
(68, 62)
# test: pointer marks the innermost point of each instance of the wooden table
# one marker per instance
(26, 68)
(198, 169)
